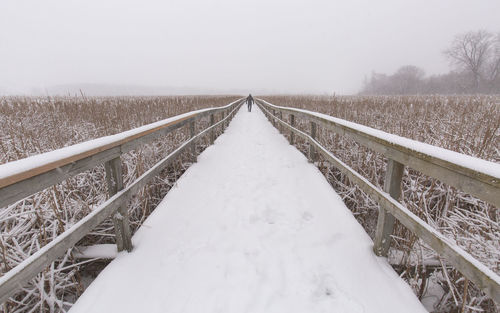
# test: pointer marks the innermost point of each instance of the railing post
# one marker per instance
(212, 131)
(385, 223)
(272, 118)
(223, 123)
(193, 144)
(281, 118)
(114, 179)
(312, 152)
(292, 134)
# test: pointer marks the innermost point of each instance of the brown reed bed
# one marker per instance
(465, 124)
(36, 125)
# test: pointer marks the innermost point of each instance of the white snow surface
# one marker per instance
(470, 162)
(101, 251)
(251, 227)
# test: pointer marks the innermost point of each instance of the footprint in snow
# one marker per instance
(271, 216)
(254, 218)
(307, 216)
(328, 292)
(325, 287)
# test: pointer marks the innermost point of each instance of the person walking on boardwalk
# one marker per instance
(249, 102)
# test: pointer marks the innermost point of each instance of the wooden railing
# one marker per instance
(478, 177)
(22, 178)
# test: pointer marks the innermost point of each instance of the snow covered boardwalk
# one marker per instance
(251, 227)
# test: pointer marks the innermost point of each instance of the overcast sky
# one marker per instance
(320, 46)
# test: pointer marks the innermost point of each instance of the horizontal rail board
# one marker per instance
(481, 184)
(29, 186)
(23, 175)
(18, 185)
(29, 268)
(477, 272)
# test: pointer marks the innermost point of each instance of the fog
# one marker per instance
(262, 46)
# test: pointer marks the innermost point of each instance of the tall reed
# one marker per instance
(465, 124)
(36, 125)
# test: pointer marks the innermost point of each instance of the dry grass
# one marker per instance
(36, 125)
(466, 124)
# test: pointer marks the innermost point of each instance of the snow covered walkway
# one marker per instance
(251, 227)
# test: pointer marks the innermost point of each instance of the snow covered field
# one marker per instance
(251, 227)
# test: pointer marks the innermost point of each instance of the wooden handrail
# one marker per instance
(481, 275)
(19, 275)
(478, 177)
(43, 168)
(24, 177)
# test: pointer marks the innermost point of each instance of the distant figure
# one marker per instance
(249, 102)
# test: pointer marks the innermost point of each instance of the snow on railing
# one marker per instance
(22, 178)
(475, 176)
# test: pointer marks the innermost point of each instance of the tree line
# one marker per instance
(475, 60)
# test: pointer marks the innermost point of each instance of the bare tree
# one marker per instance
(477, 52)
(408, 79)
(493, 69)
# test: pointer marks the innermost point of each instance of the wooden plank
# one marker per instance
(482, 276)
(47, 175)
(6, 181)
(385, 221)
(475, 183)
(138, 142)
(29, 186)
(79, 156)
(481, 185)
